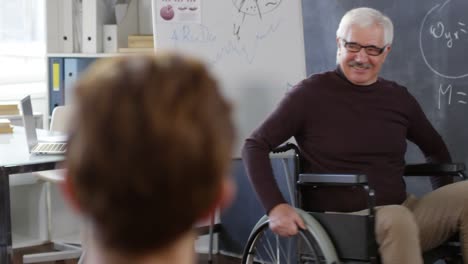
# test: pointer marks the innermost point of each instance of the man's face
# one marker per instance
(359, 67)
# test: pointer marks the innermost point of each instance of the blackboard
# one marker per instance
(428, 56)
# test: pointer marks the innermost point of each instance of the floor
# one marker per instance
(218, 259)
(202, 258)
(18, 254)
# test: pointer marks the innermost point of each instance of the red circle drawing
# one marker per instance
(167, 12)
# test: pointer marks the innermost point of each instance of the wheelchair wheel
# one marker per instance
(265, 247)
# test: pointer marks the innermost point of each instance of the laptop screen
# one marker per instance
(28, 121)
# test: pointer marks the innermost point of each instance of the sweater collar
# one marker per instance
(368, 87)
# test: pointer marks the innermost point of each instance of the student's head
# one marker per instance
(150, 149)
(363, 27)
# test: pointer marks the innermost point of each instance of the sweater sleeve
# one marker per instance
(280, 125)
(423, 134)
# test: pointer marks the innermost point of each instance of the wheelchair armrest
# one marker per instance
(286, 147)
(338, 179)
(359, 180)
(435, 169)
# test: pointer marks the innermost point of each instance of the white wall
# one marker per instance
(15, 92)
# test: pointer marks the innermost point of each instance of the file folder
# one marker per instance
(92, 26)
(60, 16)
(110, 38)
(72, 69)
(68, 15)
(56, 93)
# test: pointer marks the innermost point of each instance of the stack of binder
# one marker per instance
(5, 126)
(88, 26)
(139, 43)
(9, 109)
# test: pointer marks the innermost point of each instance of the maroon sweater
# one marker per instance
(343, 128)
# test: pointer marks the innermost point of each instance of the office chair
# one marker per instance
(61, 117)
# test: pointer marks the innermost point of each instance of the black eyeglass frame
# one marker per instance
(378, 50)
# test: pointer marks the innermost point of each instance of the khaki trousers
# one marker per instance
(420, 224)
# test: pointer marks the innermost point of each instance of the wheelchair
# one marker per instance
(332, 238)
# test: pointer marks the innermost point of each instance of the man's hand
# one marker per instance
(284, 220)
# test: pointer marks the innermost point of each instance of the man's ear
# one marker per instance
(338, 48)
(68, 191)
(387, 50)
(339, 44)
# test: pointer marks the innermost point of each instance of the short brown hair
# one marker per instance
(151, 142)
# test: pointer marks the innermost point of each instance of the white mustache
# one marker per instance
(359, 65)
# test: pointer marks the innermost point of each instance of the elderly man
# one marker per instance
(352, 121)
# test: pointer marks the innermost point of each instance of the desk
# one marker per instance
(17, 120)
(14, 159)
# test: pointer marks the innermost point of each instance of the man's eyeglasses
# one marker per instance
(356, 47)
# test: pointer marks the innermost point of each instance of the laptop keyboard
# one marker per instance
(53, 148)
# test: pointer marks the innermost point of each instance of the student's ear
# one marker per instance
(226, 194)
(68, 191)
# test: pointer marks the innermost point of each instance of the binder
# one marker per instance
(56, 93)
(110, 39)
(68, 15)
(92, 26)
(59, 19)
(72, 69)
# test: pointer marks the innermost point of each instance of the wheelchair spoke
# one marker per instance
(278, 248)
(281, 251)
(289, 249)
(268, 248)
(270, 251)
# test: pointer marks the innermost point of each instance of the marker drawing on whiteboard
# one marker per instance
(255, 8)
(167, 12)
(202, 35)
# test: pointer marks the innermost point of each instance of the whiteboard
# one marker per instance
(255, 48)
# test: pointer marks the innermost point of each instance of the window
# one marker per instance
(22, 48)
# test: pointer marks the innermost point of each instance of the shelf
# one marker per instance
(95, 55)
(83, 55)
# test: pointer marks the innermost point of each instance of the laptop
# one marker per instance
(51, 145)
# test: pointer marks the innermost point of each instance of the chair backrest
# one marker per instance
(61, 118)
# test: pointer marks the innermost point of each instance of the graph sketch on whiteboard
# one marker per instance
(256, 8)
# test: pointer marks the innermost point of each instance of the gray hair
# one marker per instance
(365, 17)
